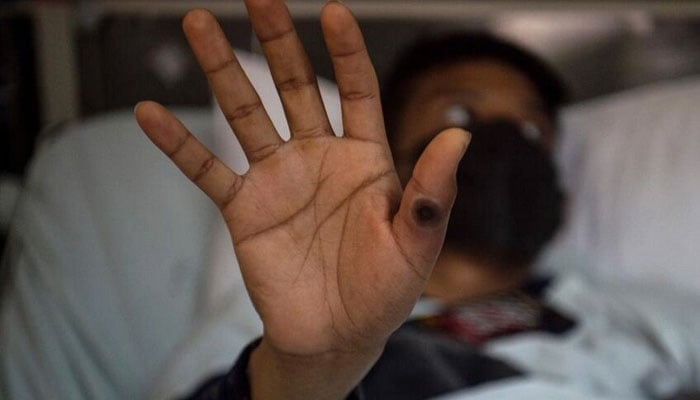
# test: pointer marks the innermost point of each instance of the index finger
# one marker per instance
(235, 94)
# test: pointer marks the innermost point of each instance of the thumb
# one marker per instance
(420, 224)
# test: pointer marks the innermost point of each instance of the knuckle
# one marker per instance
(355, 95)
(281, 35)
(231, 193)
(262, 152)
(313, 131)
(243, 111)
(181, 144)
(204, 169)
(296, 83)
(221, 66)
(350, 53)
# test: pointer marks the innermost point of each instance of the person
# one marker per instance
(341, 223)
(358, 234)
(509, 203)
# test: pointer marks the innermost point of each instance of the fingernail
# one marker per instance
(136, 107)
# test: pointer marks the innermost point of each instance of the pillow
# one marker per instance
(631, 164)
(101, 270)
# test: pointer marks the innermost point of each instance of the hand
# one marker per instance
(333, 253)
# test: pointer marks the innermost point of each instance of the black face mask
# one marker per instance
(509, 203)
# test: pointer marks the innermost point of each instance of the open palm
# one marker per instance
(333, 252)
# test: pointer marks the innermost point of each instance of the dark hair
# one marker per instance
(432, 52)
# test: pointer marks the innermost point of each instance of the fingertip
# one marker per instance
(336, 17)
(197, 20)
(333, 8)
(144, 105)
(141, 111)
(156, 122)
(270, 18)
(458, 138)
(261, 5)
(444, 152)
(147, 111)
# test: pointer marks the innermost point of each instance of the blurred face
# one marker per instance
(508, 203)
(451, 95)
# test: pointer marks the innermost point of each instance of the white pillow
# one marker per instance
(101, 269)
(631, 165)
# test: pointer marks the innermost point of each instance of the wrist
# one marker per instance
(330, 375)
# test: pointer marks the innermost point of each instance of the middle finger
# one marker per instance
(291, 70)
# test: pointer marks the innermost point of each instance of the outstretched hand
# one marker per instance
(333, 252)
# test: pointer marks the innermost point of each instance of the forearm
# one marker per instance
(325, 377)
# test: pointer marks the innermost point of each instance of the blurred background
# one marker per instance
(62, 60)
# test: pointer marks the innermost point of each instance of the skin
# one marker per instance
(333, 252)
(489, 89)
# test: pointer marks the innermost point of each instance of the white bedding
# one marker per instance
(631, 164)
(627, 344)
